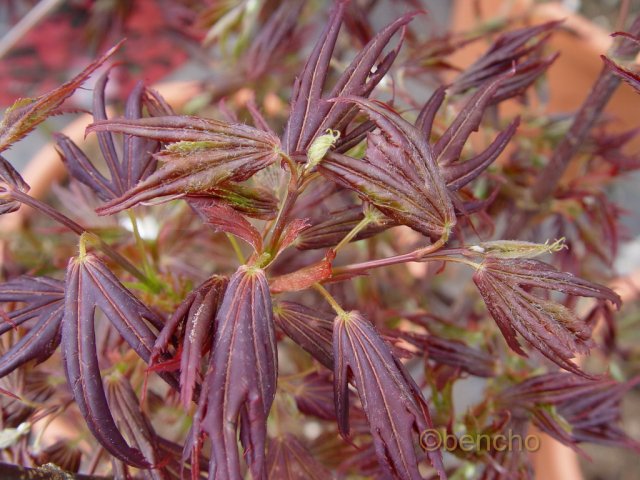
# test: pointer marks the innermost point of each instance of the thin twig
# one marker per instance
(583, 122)
(354, 231)
(419, 255)
(75, 227)
(30, 20)
(585, 119)
(330, 300)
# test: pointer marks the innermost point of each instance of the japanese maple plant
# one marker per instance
(297, 293)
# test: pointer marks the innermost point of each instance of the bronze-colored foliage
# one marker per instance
(240, 384)
(416, 194)
(90, 285)
(44, 304)
(202, 155)
(137, 161)
(551, 328)
(394, 405)
(333, 336)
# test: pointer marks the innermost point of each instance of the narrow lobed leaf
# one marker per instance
(449, 146)
(90, 285)
(415, 193)
(44, 302)
(41, 296)
(527, 73)
(137, 160)
(361, 77)
(516, 46)
(197, 312)
(182, 128)
(82, 367)
(427, 114)
(455, 353)
(309, 328)
(459, 174)
(307, 89)
(311, 115)
(393, 404)
(125, 407)
(573, 409)
(208, 154)
(534, 273)
(81, 168)
(241, 381)
(272, 37)
(38, 343)
(549, 327)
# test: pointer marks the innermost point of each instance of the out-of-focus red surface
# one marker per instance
(69, 38)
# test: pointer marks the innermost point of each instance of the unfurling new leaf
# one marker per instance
(203, 155)
(197, 315)
(551, 328)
